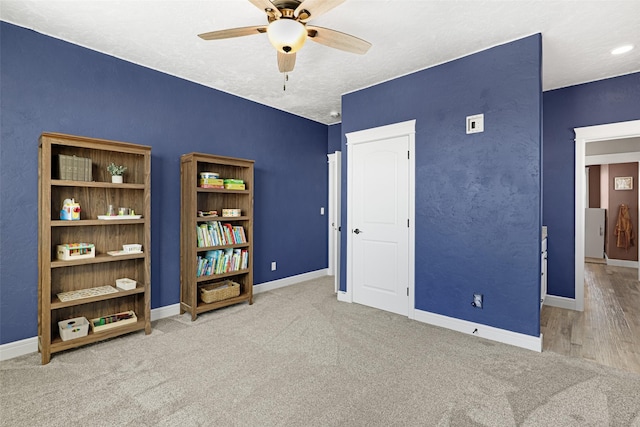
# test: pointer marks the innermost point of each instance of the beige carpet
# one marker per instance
(297, 357)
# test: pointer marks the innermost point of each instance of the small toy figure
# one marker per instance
(70, 210)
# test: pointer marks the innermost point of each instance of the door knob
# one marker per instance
(357, 231)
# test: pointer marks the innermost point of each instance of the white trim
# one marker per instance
(345, 296)
(288, 281)
(334, 216)
(164, 312)
(585, 135)
(407, 128)
(516, 339)
(18, 348)
(622, 263)
(560, 302)
(607, 159)
(331, 161)
(382, 132)
(412, 224)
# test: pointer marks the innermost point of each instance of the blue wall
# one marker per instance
(605, 101)
(478, 197)
(54, 86)
(334, 142)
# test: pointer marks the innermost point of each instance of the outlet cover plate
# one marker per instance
(477, 300)
(475, 124)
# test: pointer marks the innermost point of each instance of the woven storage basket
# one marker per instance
(212, 293)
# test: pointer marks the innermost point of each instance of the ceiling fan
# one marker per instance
(287, 29)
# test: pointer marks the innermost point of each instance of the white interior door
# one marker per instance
(379, 213)
(594, 233)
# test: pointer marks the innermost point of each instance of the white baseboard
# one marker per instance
(344, 297)
(470, 328)
(18, 348)
(501, 335)
(622, 263)
(288, 281)
(166, 311)
(560, 302)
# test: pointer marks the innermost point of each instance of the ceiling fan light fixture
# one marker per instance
(287, 35)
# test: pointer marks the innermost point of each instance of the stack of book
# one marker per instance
(215, 233)
(234, 184)
(74, 168)
(222, 261)
(211, 183)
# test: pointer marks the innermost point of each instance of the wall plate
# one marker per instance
(477, 300)
(475, 124)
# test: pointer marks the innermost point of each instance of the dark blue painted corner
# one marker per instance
(335, 138)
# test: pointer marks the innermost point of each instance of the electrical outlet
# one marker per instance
(477, 300)
(273, 266)
(475, 124)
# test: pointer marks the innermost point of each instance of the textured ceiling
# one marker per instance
(406, 35)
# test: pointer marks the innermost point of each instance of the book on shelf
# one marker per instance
(200, 236)
(214, 233)
(74, 168)
(220, 261)
(238, 231)
(210, 238)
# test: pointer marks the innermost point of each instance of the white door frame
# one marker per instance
(584, 135)
(335, 183)
(369, 135)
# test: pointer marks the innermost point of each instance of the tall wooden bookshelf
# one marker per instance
(195, 198)
(94, 196)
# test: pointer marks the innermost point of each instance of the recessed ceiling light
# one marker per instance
(622, 49)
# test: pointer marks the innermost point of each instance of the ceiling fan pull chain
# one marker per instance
(286, 79)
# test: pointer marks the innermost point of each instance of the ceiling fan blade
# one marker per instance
(267, 7)
(233, 32)
(338, 40)
(286, 62)
(315, 8)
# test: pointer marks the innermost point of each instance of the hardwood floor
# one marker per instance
(608, 330)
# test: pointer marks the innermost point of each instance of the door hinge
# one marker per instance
(407, 291)
(408, 223)
(408, 154)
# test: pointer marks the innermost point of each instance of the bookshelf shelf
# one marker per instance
(204, 307)
(100, 258)
(57, 304)
(213, 248)
(94, 184)
(194, 199)
(217, 277)
(222, 218)
(86, 222)
(56, 276)
(222, 191)
(58, 345)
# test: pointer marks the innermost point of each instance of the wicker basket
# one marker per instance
(218, 291)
